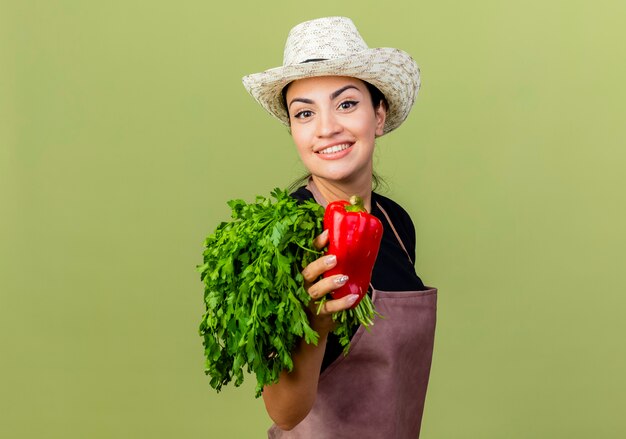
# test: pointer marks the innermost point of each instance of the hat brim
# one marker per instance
(394, 72)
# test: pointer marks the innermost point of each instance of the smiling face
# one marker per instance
(334, 125)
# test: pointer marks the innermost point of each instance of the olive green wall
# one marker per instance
(124, 129)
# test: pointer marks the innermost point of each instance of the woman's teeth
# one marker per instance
(335, 148)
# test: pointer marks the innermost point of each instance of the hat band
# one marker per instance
(313, 60)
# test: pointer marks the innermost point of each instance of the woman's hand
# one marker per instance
(317, 289)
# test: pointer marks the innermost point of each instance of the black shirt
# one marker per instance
(393, 271)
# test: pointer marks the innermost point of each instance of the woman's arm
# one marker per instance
(289, 400)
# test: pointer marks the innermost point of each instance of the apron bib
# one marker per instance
(378, 390)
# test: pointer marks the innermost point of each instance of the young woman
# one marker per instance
(337, 96)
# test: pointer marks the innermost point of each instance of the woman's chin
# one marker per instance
(338, 175)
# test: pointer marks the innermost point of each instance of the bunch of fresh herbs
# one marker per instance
(253, 290)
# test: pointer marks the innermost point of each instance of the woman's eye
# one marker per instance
(346, 105)
(303, 114)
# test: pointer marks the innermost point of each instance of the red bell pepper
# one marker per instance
(354, 237)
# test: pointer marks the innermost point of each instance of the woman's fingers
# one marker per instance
(316, 268)
(331, 306)
(320, 315)
(321, 240)
(319, 289)
(326, 285)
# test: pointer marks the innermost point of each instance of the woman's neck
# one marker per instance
(333, 191)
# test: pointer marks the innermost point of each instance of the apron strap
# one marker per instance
(395, 232)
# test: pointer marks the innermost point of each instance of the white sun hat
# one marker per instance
(332, 46)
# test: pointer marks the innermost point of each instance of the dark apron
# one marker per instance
(378, 390)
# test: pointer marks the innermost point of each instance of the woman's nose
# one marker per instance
(328, 125)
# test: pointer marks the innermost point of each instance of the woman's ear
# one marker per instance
(381, 115)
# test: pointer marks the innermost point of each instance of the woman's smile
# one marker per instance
(334, 152)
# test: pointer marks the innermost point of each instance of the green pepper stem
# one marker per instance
(356, 204)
